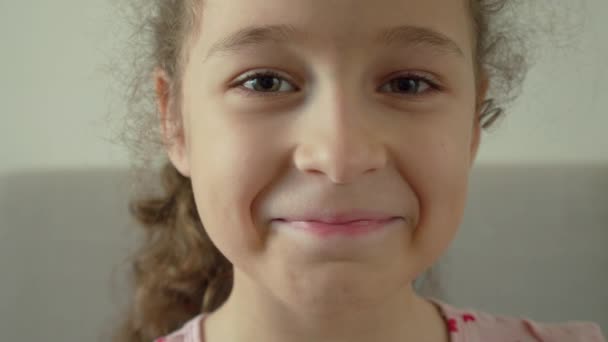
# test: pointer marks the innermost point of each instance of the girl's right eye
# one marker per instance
(264, 83)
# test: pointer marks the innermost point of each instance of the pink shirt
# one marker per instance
(464, 325)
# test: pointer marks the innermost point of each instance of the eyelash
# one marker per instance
(432, 85)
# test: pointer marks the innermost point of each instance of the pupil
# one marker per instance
(266, 82)
(406, 84)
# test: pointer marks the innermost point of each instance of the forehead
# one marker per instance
(341, 24)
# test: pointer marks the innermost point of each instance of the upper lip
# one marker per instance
(340, 217)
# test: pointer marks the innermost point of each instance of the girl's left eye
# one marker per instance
(269, 83)
(412, 85)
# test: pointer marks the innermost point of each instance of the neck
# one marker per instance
(252, 313)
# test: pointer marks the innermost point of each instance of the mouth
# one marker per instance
(351, 228)
(340, 218)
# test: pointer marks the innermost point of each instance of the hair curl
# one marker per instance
(177, 272)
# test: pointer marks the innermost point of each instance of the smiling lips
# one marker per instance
(339, 218)
(352, 229)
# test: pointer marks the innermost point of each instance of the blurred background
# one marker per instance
(534, 242)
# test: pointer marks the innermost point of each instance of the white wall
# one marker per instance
(54, 95)
(562, 115)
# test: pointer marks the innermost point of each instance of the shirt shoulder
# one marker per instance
(471, 325)
(189, 332)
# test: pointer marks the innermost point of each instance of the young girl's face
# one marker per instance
(369, 105)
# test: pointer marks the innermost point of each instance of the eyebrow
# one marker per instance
(403, 35)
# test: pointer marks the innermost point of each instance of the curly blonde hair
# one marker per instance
(177, 272)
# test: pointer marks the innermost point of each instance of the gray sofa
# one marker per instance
(534, 243)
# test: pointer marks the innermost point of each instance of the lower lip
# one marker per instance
(351, 229)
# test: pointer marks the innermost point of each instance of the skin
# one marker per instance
(335, 137)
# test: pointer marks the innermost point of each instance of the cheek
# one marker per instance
(448, 175)
(437, 170)
(228, 169)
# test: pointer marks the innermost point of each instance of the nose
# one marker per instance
(340, 141)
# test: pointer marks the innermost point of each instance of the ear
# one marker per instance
(476, 136)
(171, 123)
